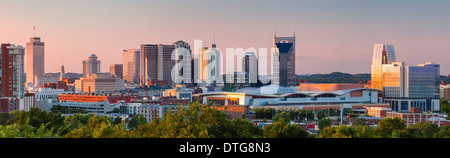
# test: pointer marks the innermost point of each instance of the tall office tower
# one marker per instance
(63, 72)
(35, 60)
(156, 62)
(382, 54)
(131, 65)
(183, 66)
(250, 67)
(286, 58)
(12, 79)
(411, 86)
(116, 70)
(209, 65)
(91, 66)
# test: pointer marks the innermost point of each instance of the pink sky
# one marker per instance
(331, 36)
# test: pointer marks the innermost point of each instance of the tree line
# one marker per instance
(197, 121)
(386, 128)
(194, 121)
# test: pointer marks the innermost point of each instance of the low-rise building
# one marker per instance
(94, 98)
(377, 111)
(415, 116)
(98, 84)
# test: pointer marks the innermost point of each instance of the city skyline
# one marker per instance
(326, 31)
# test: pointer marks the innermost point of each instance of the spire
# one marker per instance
(274, 31)
(293, 34)
(214, 40)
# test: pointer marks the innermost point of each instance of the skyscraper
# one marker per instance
(131, 65)
(286, 59)
(35, 60)
(91, 66)
(250, 67)
(12, 79)
(183, 66)
(209, 65)
(155, 62)
(382, 54)
(116, 70)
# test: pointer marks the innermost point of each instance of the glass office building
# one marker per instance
(411, 86)
(382, 54)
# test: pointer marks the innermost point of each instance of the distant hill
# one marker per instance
(335, 77)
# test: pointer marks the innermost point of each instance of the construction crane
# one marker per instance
(143, 85)
(152, 111)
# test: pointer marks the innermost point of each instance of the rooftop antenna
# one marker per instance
(34, 31)
(214, 40)
(274, 31)
(294, 31)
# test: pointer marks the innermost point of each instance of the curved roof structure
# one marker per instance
(282, 92)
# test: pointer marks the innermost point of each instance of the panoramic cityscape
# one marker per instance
(246, 74)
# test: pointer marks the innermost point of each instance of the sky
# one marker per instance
(331, 35)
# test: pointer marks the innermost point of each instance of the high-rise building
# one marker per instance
(116, 70)
(382, 54)
(209, 65)
(35, 60)
(63, 72)
(91, 66)
(286, 60)
(131, 65)
(250, 67)
(12, 79)
(156, 61)
(406, 87)
(183, 67)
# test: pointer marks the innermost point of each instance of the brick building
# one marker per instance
(233, 111)
(94, 98)
(377, 111)
(415, 116)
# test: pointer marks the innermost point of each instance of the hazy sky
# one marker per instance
(331, 35)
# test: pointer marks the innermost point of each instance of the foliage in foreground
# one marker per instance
(196, 121)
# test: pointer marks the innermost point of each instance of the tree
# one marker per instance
(282, 115)
(347, 132)
(262, 113)
(6, 118)
(197, 121)
(117, 120)
(115, 110)
(422, 130)
(444, 132)
(245, 129)
(324, 122)
(77, 120)
(137, 121)
(360, 122)
(445, 107)
(99, 127)
(337, 132)
(321, 114)
(306, 114)
(37, 118)
(282, 129)
(387, 126)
